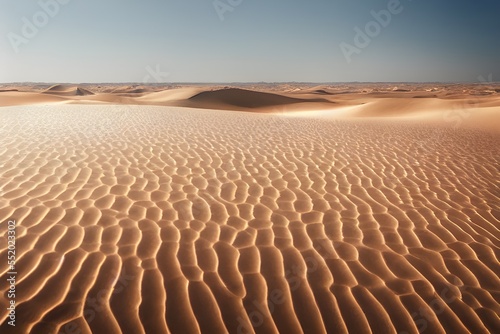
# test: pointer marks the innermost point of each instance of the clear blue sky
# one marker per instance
(258, 40)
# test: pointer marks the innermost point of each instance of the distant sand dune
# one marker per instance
(131, 90)
(477, 104)
(15, 98)
(66, 90)
(234, 98)
(143, 219)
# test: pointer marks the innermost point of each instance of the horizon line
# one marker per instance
(247, 82)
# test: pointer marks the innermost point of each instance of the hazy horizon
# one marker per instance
(241, 41)
(246, 82)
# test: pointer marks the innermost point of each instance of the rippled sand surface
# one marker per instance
(166, 220)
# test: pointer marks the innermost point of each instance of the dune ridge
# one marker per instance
(67, 90)
(144, 219)
(235, 98)
(478, 104)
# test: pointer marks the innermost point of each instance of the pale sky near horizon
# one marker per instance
(248, 41)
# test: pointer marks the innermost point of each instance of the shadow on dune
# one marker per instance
(242, 98)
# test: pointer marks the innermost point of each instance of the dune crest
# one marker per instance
(232, 98)
(67, 90)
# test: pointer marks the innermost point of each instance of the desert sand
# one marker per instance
(364, 208)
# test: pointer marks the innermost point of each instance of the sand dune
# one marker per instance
(151, 219)
(131, 90)
(67, 90)
(16, 98)
(473, 102)
(242, 99)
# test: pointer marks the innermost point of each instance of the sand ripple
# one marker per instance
(165, 220)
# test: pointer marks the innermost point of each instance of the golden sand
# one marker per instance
(150, 219)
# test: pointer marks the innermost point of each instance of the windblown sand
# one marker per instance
(143, 219)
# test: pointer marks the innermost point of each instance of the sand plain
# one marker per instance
(312, 214)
